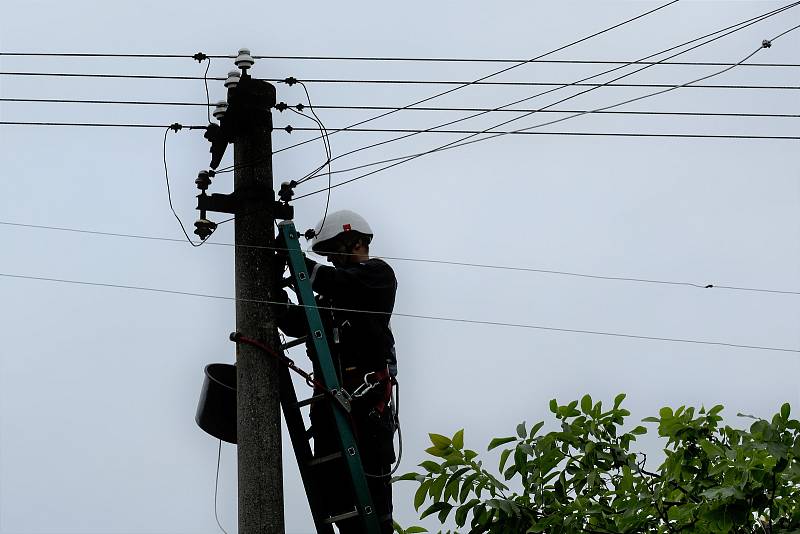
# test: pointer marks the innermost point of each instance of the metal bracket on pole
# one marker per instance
(241, 201)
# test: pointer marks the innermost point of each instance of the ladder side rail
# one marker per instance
(302, 449)
(349, 449)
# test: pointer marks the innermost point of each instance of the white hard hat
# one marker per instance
(336, 224)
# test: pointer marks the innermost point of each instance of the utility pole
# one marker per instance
(258, 400)
(246, 121)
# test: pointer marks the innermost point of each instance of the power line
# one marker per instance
(465, 141)
(448, 109)
(501, 71)
(400, 82)
(423, 260)
(120, 102)
(101, 75)
(742, 25)
(524, 132)
(402, 59)
(99, 55)
(718, 35)
(408, 315)
(539, 84)
(644, 112)
(98, 125)
(390, 130)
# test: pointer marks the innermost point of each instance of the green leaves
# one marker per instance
(586, 404)
(496, 442)
(439, 441)
(584, 476)
(458, 440)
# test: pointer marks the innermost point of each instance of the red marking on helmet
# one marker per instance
(347, 227)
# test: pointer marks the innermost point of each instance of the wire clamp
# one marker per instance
(766, 43)
(289, 128)
(300, 107)
(281, 106)
(176, 127)
(290, 81)
(200, 57)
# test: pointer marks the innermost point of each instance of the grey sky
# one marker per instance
(98, 387)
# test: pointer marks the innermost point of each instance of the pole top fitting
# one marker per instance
(233, 79)
(220, 109)
(244, 60)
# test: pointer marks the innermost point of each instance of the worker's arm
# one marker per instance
(334, 281)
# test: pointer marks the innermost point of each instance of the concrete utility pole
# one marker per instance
(258, 401)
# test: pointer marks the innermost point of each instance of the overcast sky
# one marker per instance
(98, 386)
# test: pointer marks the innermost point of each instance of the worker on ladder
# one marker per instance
(355, 298)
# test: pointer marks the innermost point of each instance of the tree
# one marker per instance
(585, 477)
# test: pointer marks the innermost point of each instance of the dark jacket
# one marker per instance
(360, 342)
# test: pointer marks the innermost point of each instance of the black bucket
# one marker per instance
(216, 411)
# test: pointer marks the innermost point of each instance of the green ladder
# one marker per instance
(325, 372)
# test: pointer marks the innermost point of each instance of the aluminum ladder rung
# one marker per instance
(342, 517)
(325, 459)
(310, 400)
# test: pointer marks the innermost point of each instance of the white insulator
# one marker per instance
(244, 60)
(233, 79)
(220, 109)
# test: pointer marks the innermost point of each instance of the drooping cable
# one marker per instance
(176, 128)
(330, 155)
(208, 96)
(411, 315)
(216, 487)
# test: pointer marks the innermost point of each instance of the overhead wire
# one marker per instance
(416, 131)
(421, 260)
(729, 29)
(363, 58)
(436, 109)
(466, 140)
(526, 132)
(507, 69)
(399, 81)
(758, 18)
(407, 315)
(95, 124)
